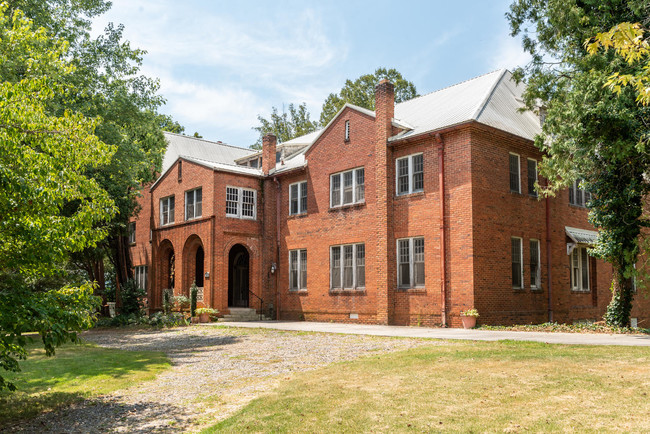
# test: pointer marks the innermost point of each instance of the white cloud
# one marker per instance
(508, 53)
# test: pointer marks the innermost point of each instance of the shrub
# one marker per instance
(194, 292)
(132, 296)
(181, 301)
(168, 303)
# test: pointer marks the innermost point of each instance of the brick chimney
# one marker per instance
(269, 142)
(384, 173)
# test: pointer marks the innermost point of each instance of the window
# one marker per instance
(515, 186)
(298, 198)
(193, 204)
(241, 203)
(517, 262)
(167, 210)
(141, 276)
(253, 163)
(297, 269)
(180, 171)
(532, 177)
(132, 233)
(348, 266)
(347, 131)
(278, 156)
(579, 269)
(410, 174)
(535, 273)
(410, 262)
(347, 187)
(577, 195)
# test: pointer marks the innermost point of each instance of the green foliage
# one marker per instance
(181, 302)
(361, 92)
(285, 126)
(158, 319)
(470, 312)
(590, 132)
(553, 327)
(167, 302)
(132, 298)
(194, 292)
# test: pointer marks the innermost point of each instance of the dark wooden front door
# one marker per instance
(238, 276)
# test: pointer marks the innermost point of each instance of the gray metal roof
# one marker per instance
(581, 236)
(205, 150)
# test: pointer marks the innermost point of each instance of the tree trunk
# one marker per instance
(121, 258)
(618, 311)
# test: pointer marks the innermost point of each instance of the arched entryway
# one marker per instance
(167, 272)
(199, 257)
(238, 276)
(193, 265)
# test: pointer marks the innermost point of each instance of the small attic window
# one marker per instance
(180, 171)
(347, 131)
(278, 156)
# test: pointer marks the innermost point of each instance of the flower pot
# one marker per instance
(204, 317)
(195, 320)
(469, 322)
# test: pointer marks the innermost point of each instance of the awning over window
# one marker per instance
(579, 236)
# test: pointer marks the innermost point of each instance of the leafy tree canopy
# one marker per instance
(294, 123)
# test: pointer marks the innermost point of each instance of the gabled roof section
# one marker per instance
(205, 150)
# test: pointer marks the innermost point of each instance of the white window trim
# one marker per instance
(299, 198)
(300, 265)
(521, 261)
(240, 203)
(539, 265)
(578, 287)
(193, 192)
(518, 172)
(355, 285)
(167, 198)
(411, 263)
(132, 227)
(347, 131)
(534, 194)
(410, 174)
(141, 275)
(342, 189)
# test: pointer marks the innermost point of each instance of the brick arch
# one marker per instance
(166, 274)
(193, 250)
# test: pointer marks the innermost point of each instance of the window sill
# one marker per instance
(536, 289)
(415, 290)
(347, 206)
(240, 218)
(581, 291)
(409, 195)
(577, 206)
(522, 289)
(132, 244)
(353, 291)
(193, 218)
(297, 216)
(298, 291)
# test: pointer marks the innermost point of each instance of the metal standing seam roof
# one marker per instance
(581, 236)
(205, 150)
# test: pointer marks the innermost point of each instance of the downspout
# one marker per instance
(443, 250)
(549, 259)
(277, 248)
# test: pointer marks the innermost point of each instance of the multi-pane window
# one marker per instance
(167, 210)
(580, 269)
(532, 177)
(132, 232)
(410, 262)
(517, 263)
(347, 187)
(141, 276)
(515, 182)
(535, 274)
(348, 266)
(577, 195)
(298, 269)
(241, 202)
(298, 198)
(193, 204)
(410, 174)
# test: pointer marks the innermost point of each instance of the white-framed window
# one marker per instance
(410, 262)
(578, 196)
(298, 269)
(347, 187)
(348, 266)
(515, 170)
(535, 269)
(193, 204)
(347, 131)
(409, 173)
(131, 232)
(141, 276)
(241, 203)
(298, 198)
(580, 269)
(532, 176)
(517, 263)
(166, 210)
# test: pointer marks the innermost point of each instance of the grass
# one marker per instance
(597, 327)
(463, 386)
(76, 372)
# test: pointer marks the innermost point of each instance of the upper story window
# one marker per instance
(347, 187)
(193, 204)
(166, 210)
(517, 263)
(298, 198)
(348, 266)
(347, 131)
(298, 269)
(410, 262)
(131, 232)
(410, 174)
(241, 203)
(577, 195)
(579, 269)
(532, 177)
(515, 183)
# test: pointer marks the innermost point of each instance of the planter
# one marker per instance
(204, 317)
(469, 322)
(111, 308)
(195, 320)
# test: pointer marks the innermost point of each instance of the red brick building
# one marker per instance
(405, 215)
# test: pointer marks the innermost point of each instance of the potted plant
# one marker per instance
(469, 318)
(204, 313)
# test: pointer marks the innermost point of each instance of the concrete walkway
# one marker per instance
(441, 333)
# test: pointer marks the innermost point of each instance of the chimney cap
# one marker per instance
(384, 80)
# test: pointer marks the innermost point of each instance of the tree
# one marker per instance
(49, 206)
(285, 126)
(590, 133)
(361, 92)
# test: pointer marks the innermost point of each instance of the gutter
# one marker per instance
(443, 251)
(277, 247)
(549, 259)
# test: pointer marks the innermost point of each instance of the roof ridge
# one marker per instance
(452, 85)
(209, 141)
(189, 157)
(484, 102)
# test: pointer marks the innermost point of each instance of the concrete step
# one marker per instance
(241, 314)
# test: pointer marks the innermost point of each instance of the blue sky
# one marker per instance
(221, 63)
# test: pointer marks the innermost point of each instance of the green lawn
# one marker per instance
(463, 386)
(74, 373)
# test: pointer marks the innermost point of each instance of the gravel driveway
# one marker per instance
(215, 371)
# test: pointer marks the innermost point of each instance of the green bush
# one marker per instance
(132, 299)
(158, 319)
(194, 292)
(168, 295)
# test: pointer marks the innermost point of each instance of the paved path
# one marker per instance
(441, 333)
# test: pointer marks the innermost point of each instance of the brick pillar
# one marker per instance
(269, 142)
(384, 111)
